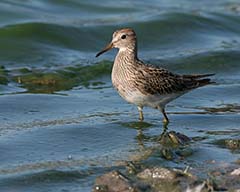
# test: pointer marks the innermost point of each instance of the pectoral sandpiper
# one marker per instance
(143, 84)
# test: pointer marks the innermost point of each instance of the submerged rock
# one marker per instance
(226, 179)
(228, 108)
(232, 144)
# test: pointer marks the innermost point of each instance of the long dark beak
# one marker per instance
(109, 46)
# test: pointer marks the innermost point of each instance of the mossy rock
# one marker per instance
(233, 144)
(3, 75)
(64, 79)
(45, 83)
(3, 71)
(25, 70)
(3, 80)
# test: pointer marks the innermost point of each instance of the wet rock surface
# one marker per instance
(115, 181)
(161, 179)
(157, 173)
(166, 179)
(139, 178)
(149, 179)
(226, 178)
(142, 176)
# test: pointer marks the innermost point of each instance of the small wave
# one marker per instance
(219, 62)
(50, 34)
(42, 168)
(222, 61)
(184, 31)
(49, 176)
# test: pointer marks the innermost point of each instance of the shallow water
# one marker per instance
(62, 123)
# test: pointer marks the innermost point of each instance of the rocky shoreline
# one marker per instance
(138, 178)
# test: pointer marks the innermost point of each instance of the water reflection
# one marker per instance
(169, 145)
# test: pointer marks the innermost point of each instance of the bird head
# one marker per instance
(122, 39)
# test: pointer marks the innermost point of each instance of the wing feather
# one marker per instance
(156, 80)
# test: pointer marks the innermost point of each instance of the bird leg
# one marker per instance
(140, 113)
(165, 119)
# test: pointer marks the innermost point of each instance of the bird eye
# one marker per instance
(123, 37)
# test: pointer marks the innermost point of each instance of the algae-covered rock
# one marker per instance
(3, 75)
(25, 70)
(231, 108)
(45, 83)
(233, 144)
(36, 81)
(3, 80)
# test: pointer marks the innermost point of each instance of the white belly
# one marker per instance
(154, 101)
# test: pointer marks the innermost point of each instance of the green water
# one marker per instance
(61, 122)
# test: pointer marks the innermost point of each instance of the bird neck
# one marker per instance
(129, 53)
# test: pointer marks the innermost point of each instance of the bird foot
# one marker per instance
(141, 118)
(165, 122)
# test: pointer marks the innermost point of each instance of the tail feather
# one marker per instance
(197, 80)
(203, 82)
(198, 76)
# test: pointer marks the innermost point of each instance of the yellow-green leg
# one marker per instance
(165, 119)
(140, 113)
